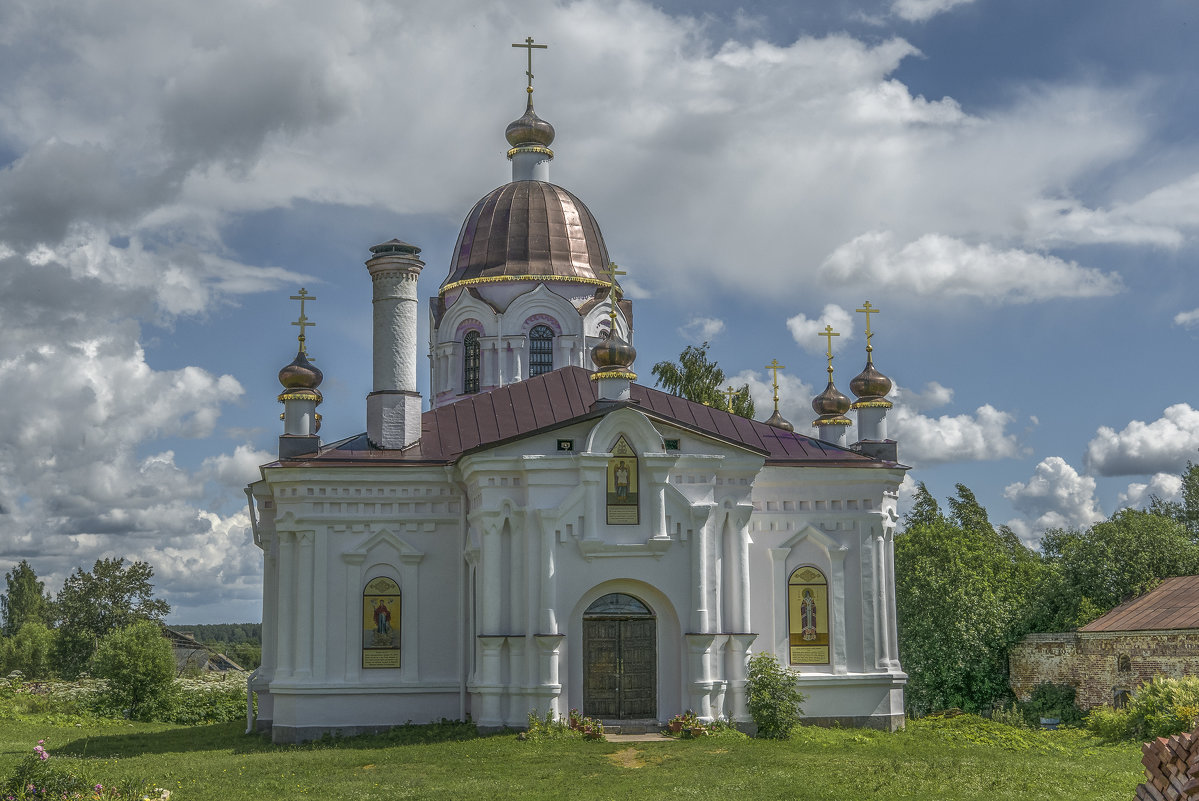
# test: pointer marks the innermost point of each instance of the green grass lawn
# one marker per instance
(959, 758)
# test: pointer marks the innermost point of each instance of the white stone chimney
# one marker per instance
(393, 408)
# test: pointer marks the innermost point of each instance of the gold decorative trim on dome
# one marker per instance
(496, 279)
(614, 374)
(836, 421)
(530, 149)
(883, 404)
(301, 394)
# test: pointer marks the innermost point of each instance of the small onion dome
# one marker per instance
(529, 129)
(870, 386)
(613, 353)
(301, 374)
(778, 421)
(831, 405)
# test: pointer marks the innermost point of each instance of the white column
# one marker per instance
(699, 579)
(737, 660)
(889, 556)
(742, 573)
(699, 685)
(393, 407)
(780, 636)
(286, 607)
(548, 622)
(354, 588)
(837, 602)
(304, 607)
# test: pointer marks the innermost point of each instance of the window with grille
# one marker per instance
(541, 350)
(470, 362)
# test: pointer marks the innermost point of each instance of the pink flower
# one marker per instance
(41, 742)
(43, 756)
(99, 787)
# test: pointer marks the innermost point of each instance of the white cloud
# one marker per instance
(1167, 486)
(795, 397)
(937, 265)
(923, 10)
(1056, 496)
(809, 333)
(701, 329)
(1161, 446)
(1187, 319)
(925, 441)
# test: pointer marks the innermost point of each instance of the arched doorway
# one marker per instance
(620, 659)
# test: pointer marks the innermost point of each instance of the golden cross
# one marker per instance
(829, 333)
(528, 45)
(775, 366)
(729, 393)
(612, 271)
(303, 321)
(868, 310)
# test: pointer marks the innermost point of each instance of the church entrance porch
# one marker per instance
(620, 659)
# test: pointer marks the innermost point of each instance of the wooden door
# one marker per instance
(620, 668)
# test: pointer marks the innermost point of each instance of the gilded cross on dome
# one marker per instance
(528, 45)
(303, 321)
(775, 366)
(868, 310)
(611, 272)
(729, 393)
(828, 333)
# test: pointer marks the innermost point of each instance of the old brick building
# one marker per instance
(1153, 635)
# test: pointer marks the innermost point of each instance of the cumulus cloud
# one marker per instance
(935, 264)
(795, 396)
(1141, 449)
(701, 329)
(1187, 319)
(923, 10)
(1056, 496)
(809, 333)
(1166, 486)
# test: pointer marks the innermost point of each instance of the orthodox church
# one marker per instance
(551, 534)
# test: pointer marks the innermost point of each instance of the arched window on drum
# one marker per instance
(807, 617)
(541, 350)
(470, 362)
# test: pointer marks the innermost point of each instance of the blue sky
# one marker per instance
(1015, 185)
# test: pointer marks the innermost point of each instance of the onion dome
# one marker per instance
(831, 405)
(529, 129)
(776, 420)
(528, 230)
(871, 387)
(613, 354)
(300, 380)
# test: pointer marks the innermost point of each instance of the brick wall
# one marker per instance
(1091, 661)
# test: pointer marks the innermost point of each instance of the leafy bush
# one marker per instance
(773, 698)
(1157, 708)
(1011, 715)
(29, 651)
(1051, 700)
(140, 669)
(208, 699)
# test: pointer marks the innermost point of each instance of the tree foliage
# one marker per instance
(139, 666)
(962, 589)
(697, 378)
(31, 651)
(91, 605)
(1184, 511)
(24, 600)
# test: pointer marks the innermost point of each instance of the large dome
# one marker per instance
(528, 230)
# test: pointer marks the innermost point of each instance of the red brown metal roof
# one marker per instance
(566, 396)
(1173, 605)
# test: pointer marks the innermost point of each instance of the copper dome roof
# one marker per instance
(528, 230)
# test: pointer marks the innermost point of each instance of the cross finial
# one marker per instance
(528, 45)
(303, 321)
(611, 272)
(868, 310)
(775, 366)
(828, 333)
(729, 394)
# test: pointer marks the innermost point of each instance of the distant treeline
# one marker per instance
(224, 632)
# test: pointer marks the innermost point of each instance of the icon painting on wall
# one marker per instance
(807, 612)
(381, 624)
(623, 507)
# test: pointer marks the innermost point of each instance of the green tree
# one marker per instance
(1186, 510)
(24, 601)
(91, 605)
(1111, 562)
(139, 666)
(697, 378)
(962, 592)
(30, 651)
(772, 697)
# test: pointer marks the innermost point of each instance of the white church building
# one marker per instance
(550, 534)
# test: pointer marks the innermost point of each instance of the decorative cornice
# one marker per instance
(496, 279)
(545, 151)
